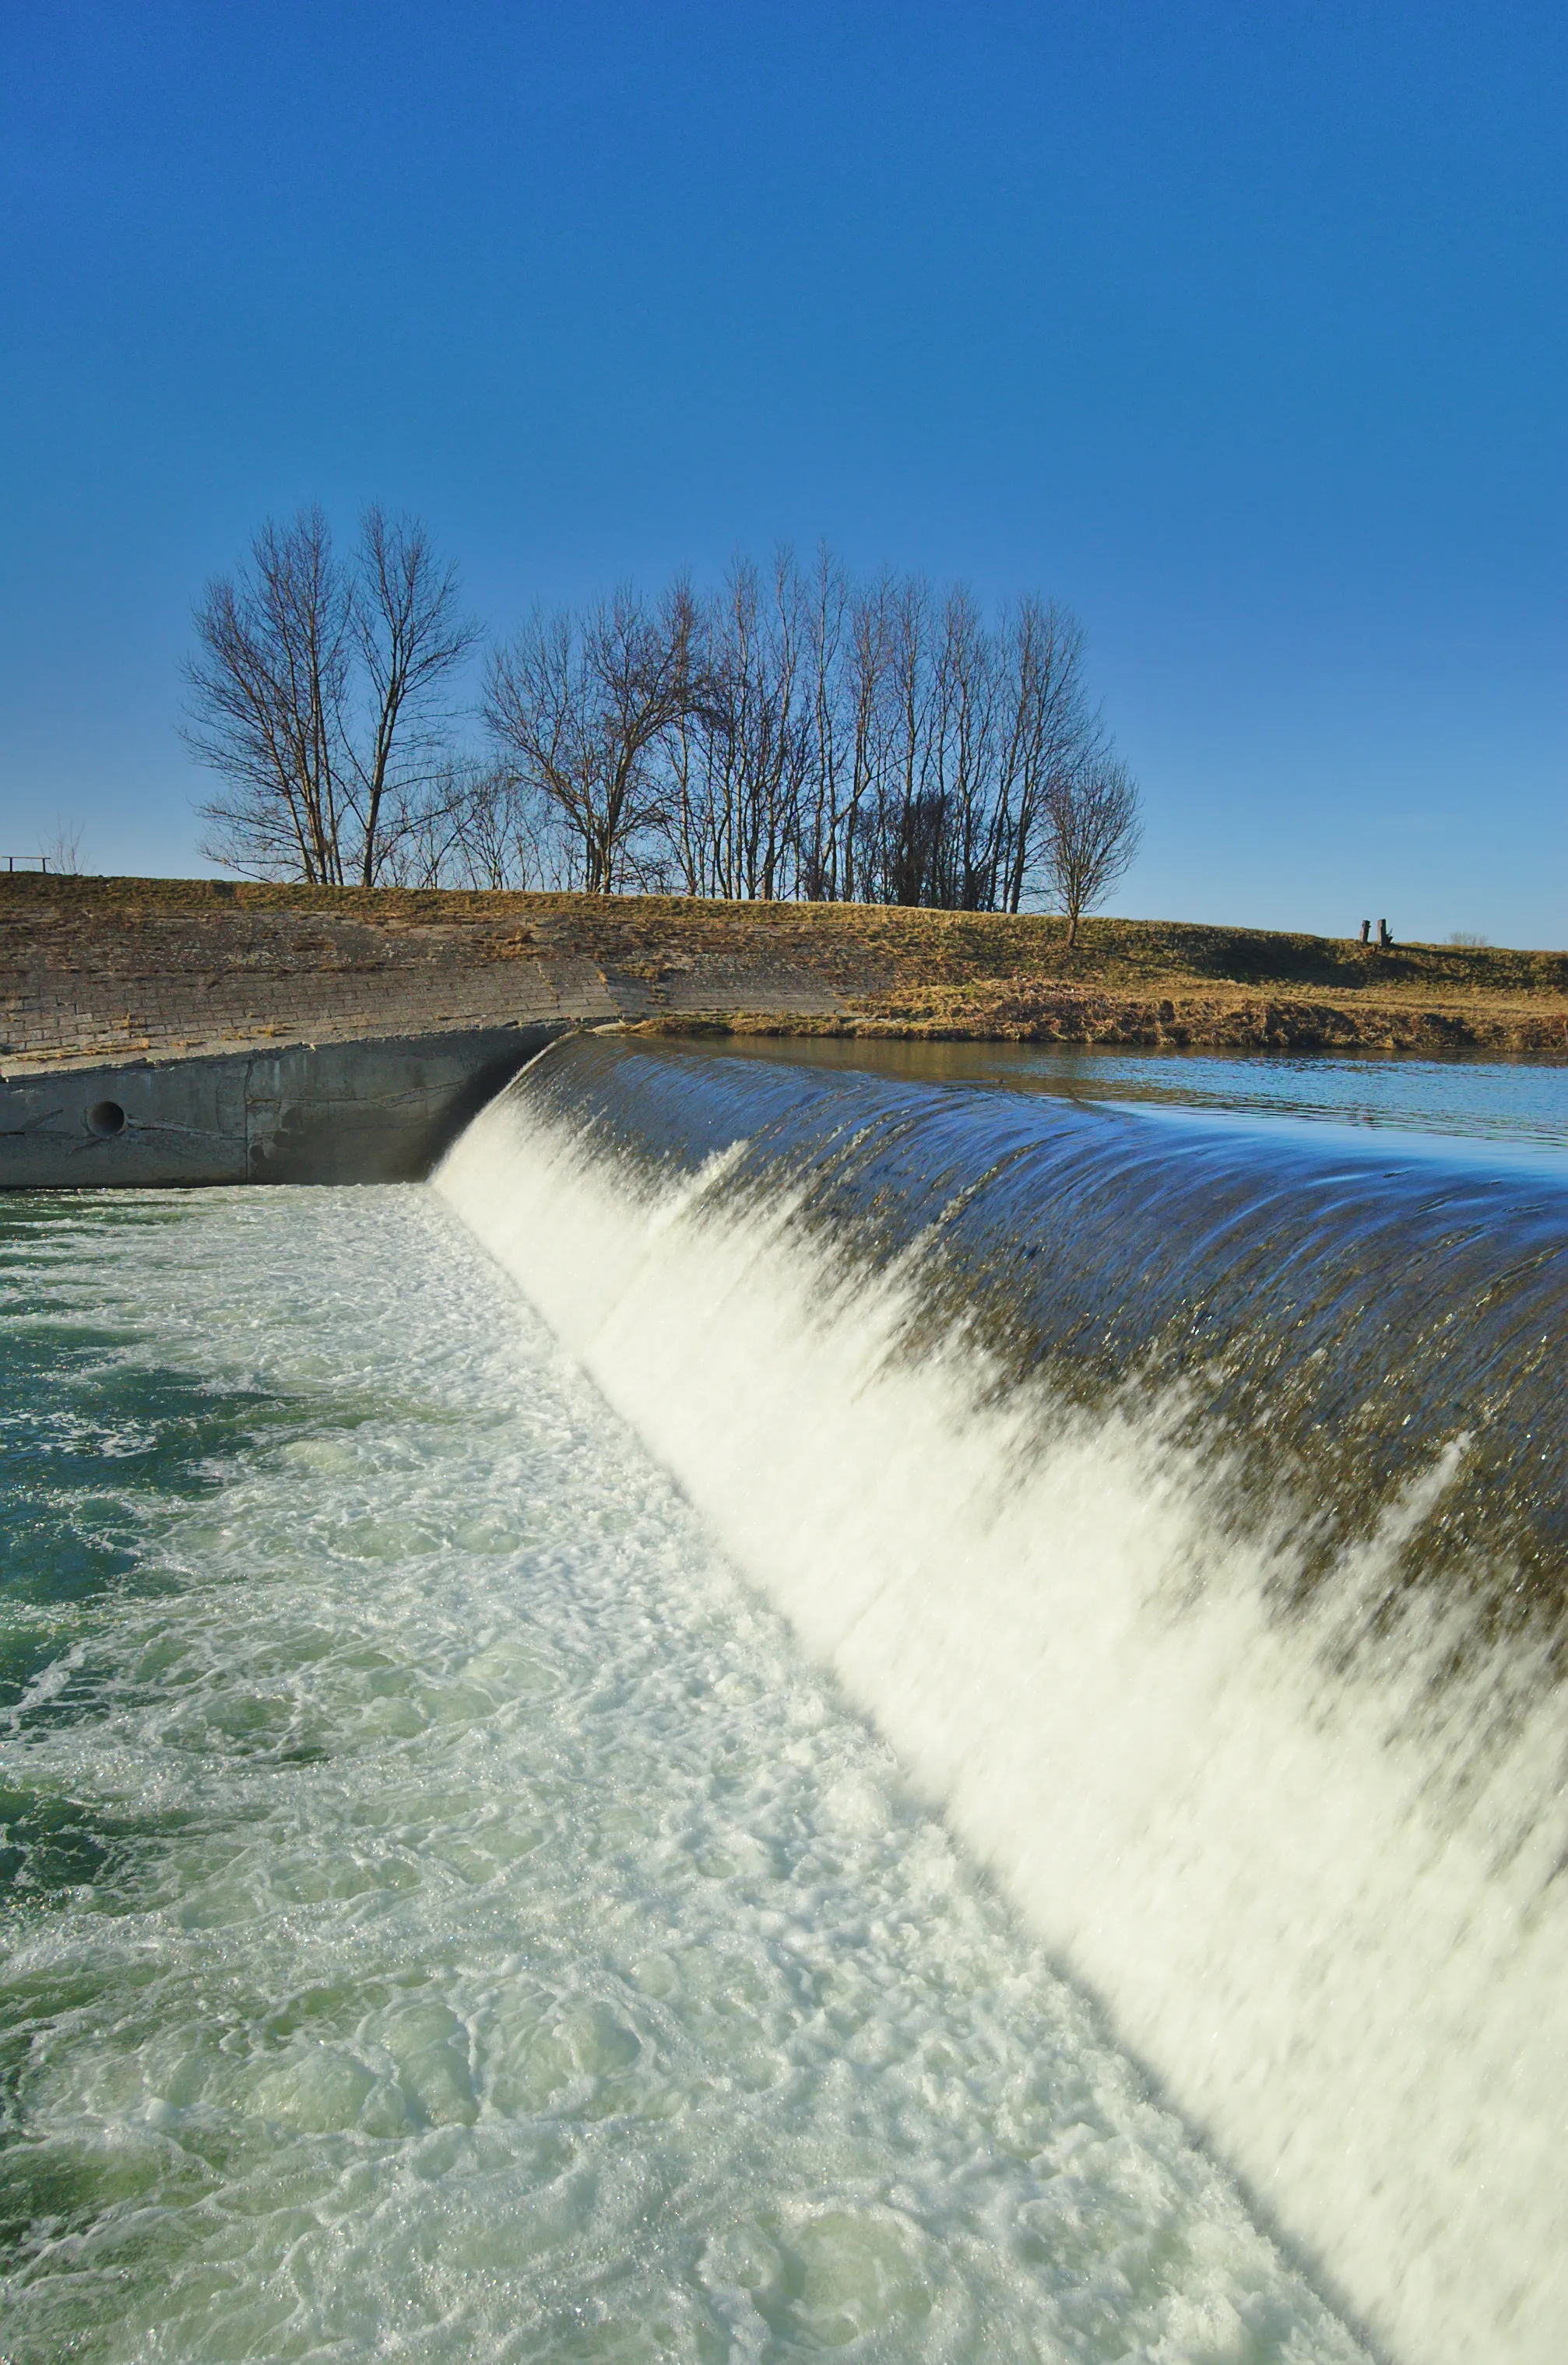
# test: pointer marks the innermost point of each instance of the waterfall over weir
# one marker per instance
(1189, 1516)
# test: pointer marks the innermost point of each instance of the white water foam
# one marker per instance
(1315, 1904)
(511, 1948)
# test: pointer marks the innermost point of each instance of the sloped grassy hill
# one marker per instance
(168, 964)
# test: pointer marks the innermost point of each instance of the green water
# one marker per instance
(445, 1917)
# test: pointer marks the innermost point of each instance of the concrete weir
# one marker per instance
(375, 1110)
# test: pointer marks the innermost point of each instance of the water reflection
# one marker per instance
(1519, 1104)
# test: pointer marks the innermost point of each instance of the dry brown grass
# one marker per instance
(918, 972)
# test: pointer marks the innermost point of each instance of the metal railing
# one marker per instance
(26, 861)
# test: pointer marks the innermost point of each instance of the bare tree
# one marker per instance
(741, 749)
(867, 696)
(828, 607)
(792, 734)
(62, 853)
(493, 834)
(424, 841)
(266, 689)
(959, 729)
(584, 706)
(909, 814)
(1049, 734)
(315, 694)
(507, 836)
(1093, 831)
(411, 636)
(475, 823)
(946, 833)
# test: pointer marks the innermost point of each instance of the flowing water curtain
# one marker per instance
(1190, 1515)
(397, 1871)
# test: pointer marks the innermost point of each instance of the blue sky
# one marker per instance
(1243, 329)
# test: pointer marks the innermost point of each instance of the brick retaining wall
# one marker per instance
(95, 968)
(83, 977)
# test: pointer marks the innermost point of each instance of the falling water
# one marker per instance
(448, 1917)
(1186, 1509)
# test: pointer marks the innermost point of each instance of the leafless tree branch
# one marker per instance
(1093, 831)
(292, 653)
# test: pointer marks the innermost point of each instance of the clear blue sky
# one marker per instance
(1242, 327)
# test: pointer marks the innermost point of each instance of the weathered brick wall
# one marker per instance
(93, 968)
(84, 974)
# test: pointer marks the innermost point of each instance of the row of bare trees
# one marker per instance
(792, 734)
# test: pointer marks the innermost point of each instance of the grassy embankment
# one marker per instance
(988, 976)
(940, 973)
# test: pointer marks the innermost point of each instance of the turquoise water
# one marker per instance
(445, 1916)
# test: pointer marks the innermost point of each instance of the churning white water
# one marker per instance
(450, 1918)
(1327, 1918)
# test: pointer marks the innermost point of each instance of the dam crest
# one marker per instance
(1189, 1522)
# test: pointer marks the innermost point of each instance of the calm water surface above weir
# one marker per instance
(1520, 1107)
(446, 1915)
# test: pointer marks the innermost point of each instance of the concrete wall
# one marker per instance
(161, 969)
(380, 1109)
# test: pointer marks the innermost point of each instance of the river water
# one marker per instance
(605, 1761)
